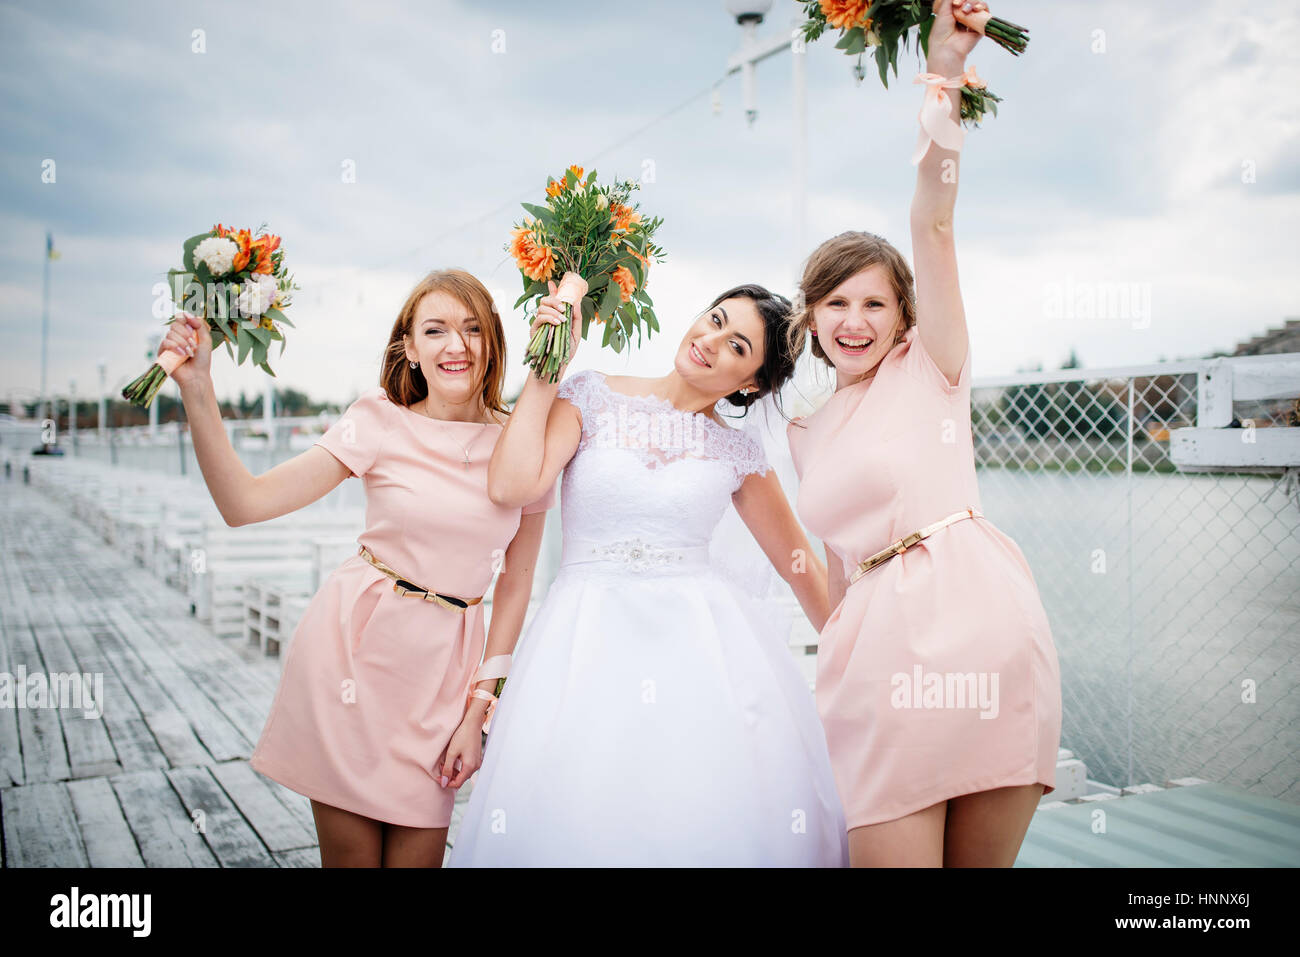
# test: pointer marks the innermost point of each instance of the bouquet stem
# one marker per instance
(552, 345)
(1004, 33)
(143, 388)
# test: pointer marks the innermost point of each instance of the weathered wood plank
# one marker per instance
(103, 827)
(228, 835)
(279, 828)
(299, 805)
(90, 752)
(45, 756)
(163, 828)
(301, 857)
(132, 740)
(221, 738)
(11, 752)
(175, 737)
(40, 827)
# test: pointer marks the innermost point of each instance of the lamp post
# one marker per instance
(103, 399)
(749, 14)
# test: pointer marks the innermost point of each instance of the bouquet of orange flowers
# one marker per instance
(595, 239)
(884, 24)
(239, 284)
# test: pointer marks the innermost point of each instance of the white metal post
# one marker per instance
(103, 398)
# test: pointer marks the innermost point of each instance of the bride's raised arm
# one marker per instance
(940, 316)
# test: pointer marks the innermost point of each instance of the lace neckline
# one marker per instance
(655, 402)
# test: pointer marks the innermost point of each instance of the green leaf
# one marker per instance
(259, 353)
(245, 343)
(853, 42)
(628, 312)
(588, 313)
(882, 61)
(609, 301)
(285, 319)
(542, 213)
(267, 369)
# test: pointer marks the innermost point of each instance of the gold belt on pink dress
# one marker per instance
(404, 587)
(903, 544)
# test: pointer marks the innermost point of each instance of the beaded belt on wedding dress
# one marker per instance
(636, 554)
(903, 544)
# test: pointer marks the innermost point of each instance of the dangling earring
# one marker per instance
(414, 364)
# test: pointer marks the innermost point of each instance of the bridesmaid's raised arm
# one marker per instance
(940, 316)
(541, 434)
(241, 497)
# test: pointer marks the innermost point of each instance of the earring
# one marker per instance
(414, 364)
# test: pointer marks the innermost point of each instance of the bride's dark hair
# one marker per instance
(778, 361)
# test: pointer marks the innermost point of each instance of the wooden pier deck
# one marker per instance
(162, 779)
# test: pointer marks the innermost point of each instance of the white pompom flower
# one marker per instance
(257, 296)
(217, 253)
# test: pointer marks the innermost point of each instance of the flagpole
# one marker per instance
(45, 325)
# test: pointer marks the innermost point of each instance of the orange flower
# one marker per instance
(261, 248)
(554, 188)
(576, 171)
(624, 217)
(625, 281)
(535, 262)
(244, 241)
(847, 14)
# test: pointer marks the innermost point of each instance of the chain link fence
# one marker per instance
(1174, 597)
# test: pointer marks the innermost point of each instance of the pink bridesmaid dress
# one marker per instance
(374, 683)
(936, 674)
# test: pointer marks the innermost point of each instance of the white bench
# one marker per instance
(278, 552)
(271, 613)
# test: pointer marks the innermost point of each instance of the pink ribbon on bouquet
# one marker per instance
(936, 124)
(497, 666)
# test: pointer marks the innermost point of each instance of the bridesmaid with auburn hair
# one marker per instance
(937, 678)
(381, 705)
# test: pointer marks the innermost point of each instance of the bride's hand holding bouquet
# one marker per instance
(593, 239)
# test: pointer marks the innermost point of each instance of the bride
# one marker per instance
(652, 716)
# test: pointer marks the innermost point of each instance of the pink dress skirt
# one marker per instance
(936, 674)
(375, 683)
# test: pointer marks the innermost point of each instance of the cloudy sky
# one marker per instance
(1153, 146)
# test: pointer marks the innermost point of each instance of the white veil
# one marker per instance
(733, 552)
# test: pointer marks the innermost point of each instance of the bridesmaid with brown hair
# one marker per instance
(937, 678)
(381, 704)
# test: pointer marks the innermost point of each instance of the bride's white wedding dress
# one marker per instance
(651, 716)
